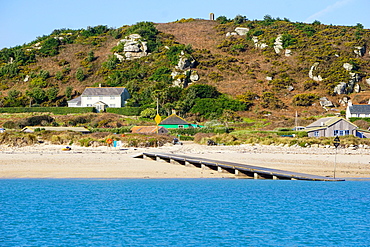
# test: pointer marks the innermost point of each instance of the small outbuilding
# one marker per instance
(149, 130)
(330, 127)
(175, 122)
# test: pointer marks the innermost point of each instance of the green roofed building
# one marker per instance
(175, 122)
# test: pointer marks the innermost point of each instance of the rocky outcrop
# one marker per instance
(185, 62)
(288, 52)
(344, 101)
(314, 76)
(325, 102)
(359, 50)
(258, 44)
(183, 75)
(242, 30)
(348, 66)
(278, 45)
(133, 48)
(238, 31)
(350, 86)
(184, 78)
(269, 78)
(341, 88)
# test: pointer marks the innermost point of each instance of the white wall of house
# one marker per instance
(113, 101)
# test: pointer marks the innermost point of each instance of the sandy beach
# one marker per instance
(49, 161)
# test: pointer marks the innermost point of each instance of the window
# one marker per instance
(89, 105)
(341, 132)
(112, 105)
(112, 97)
(89, 98)
(316, 133)
(101, 97)
(181, 126)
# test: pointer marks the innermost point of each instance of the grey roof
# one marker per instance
(103, 91)
(359, 109)
(320, 122)
(323, 123)
(75, 100)
(173, 120)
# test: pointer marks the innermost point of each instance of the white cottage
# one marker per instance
(360, 111)
(101, 98)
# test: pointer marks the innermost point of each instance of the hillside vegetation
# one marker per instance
(239, 75)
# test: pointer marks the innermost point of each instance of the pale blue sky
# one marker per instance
(21, 21)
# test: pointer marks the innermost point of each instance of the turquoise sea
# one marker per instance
(183, 212)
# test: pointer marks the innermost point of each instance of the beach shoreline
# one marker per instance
(49, 161)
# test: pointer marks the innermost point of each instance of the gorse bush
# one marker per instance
(93, 31)
(50, 47)
(306, 99)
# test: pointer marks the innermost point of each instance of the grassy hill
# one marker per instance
(250, 81)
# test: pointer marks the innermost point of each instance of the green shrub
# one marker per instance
(304, 99)
(9, 125)
(148, 113)
(80, 74)
(94, 31)
(269, 100)
(239, 19)
(50, 47)
(222, 19)
(186, 138)
(9, 70)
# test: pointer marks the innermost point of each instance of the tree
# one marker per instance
(52, 93)
(68, 92)
(80, 74)
(239, 19)
(90, 56)
(37, 94)
(222, 19)
(148, 113)
(13, 94)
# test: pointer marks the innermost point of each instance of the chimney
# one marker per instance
(99, 84)
(173, 112)
(349, 102)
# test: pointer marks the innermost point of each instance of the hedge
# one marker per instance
(121, 130)
(352, 119)
(126, 111)
(54, 110)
